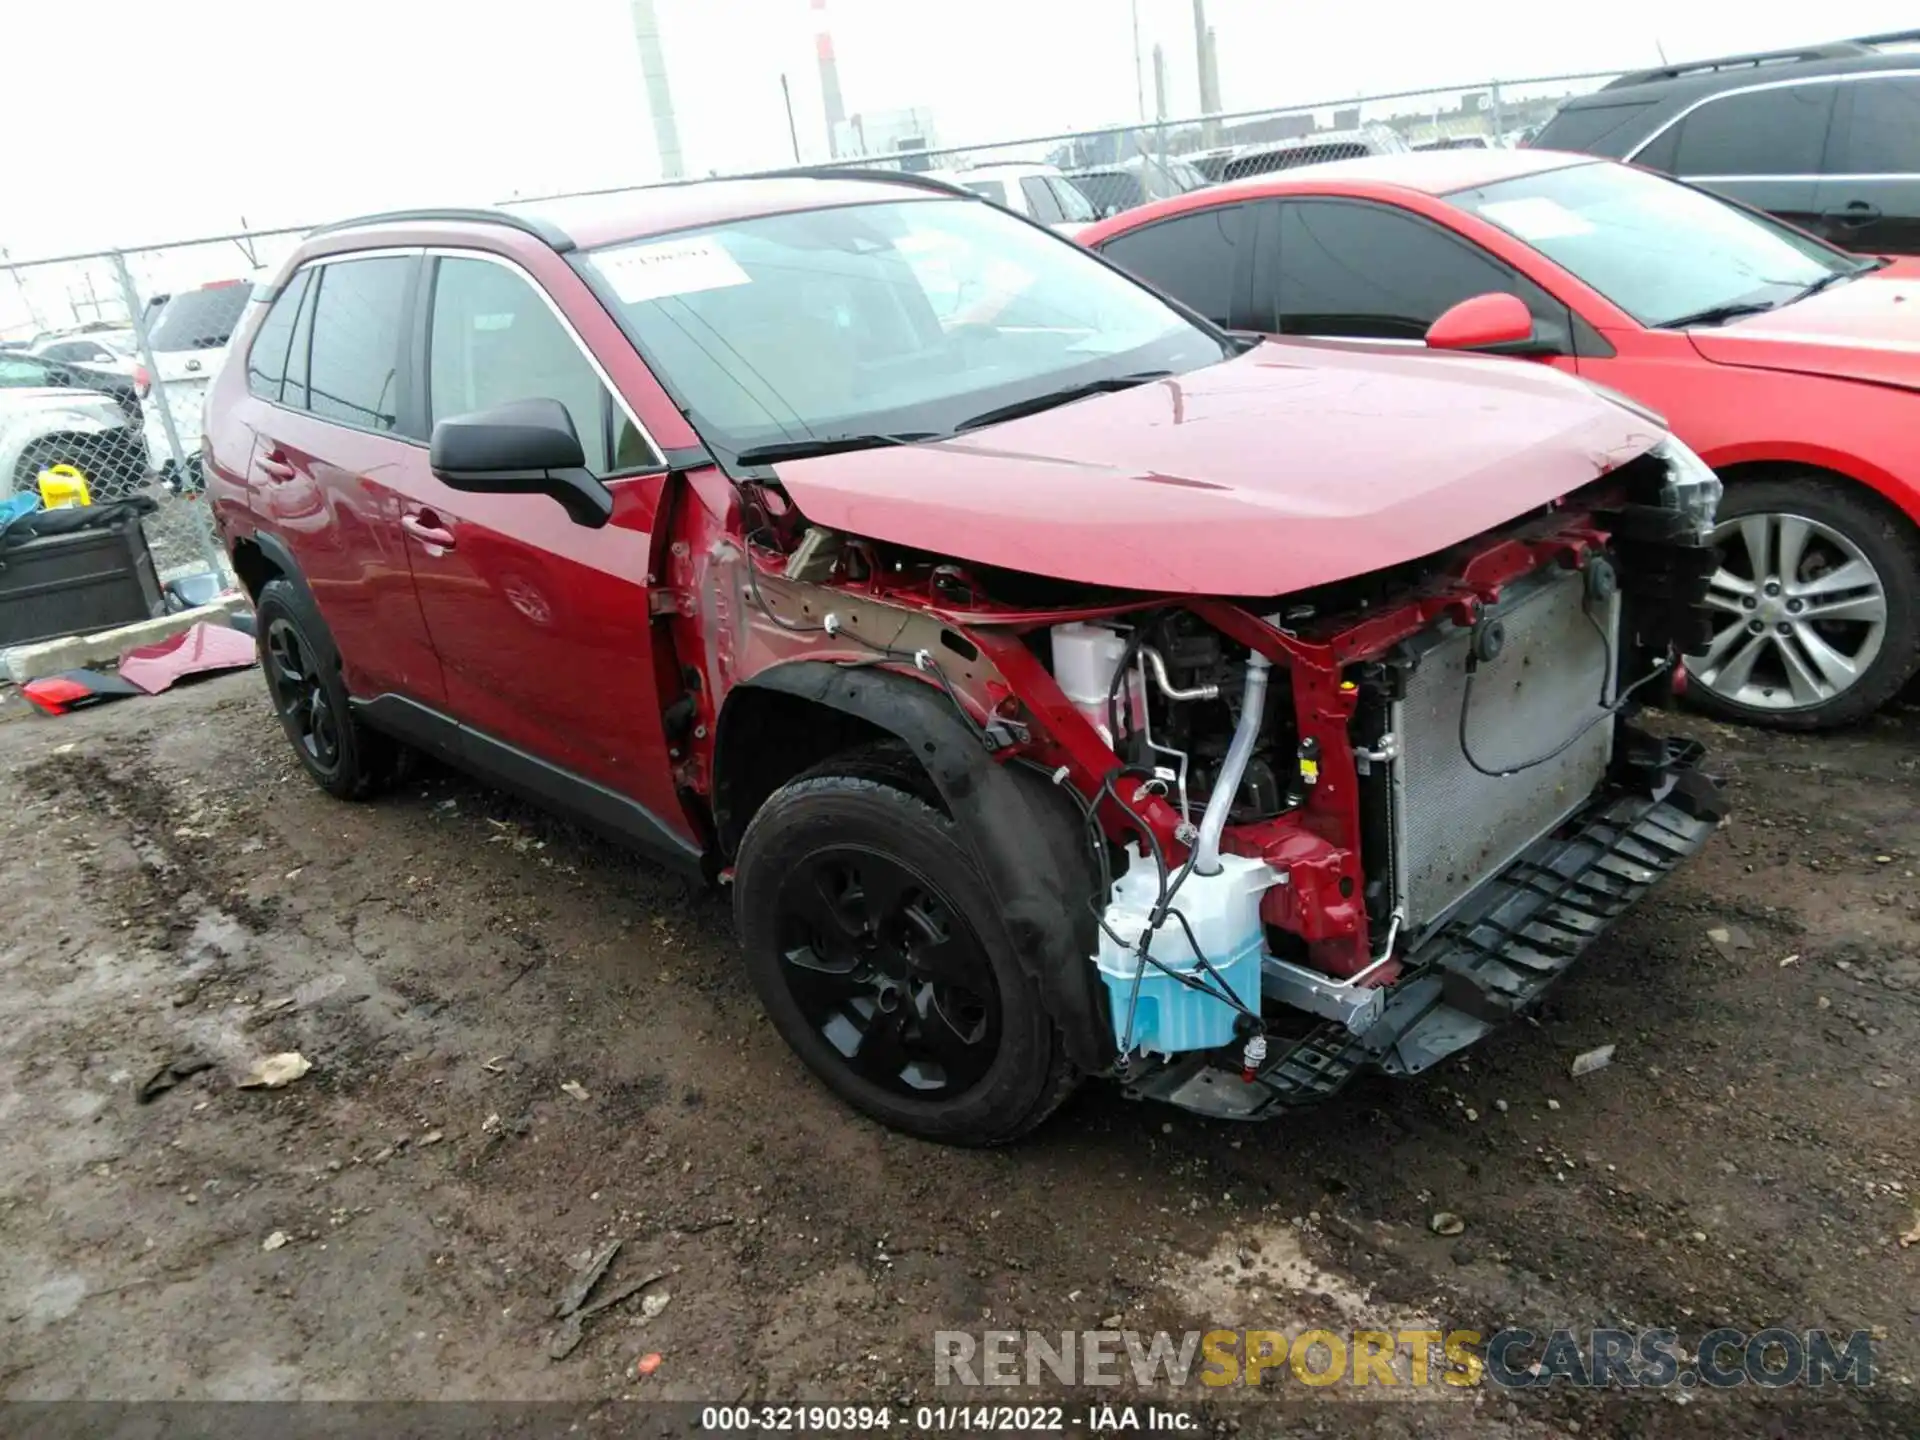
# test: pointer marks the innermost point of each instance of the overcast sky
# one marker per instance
(164, 119)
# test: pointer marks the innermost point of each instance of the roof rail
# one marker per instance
(544, 231)
(1891, 37)
(852, 172)
(1836, 50)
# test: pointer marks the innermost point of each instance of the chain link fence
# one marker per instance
(105, 358)
(106, 362)
(1117, 167)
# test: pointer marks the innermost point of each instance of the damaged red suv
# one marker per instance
(1065, 686)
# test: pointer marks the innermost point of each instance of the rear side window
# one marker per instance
(1884, 138)
(354, 354)
(267, 359)
(1763, 132)
(1594, 129)
(1194, 258)
(200, 319)
(495, 340)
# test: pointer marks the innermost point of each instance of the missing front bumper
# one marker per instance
(1490, 963)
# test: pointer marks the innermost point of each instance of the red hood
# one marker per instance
(1865, 329)
(1293, 465)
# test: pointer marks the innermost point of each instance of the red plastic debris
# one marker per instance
(194, 651)
(55, 693)
(646, 1365)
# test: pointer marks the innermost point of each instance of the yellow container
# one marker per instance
(62, 486)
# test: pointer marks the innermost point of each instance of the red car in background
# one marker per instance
(1791, 367)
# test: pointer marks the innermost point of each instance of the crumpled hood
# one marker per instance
(1293, 465)
(1865, 329)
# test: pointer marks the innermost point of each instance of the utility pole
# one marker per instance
(793, 134)
(1139, 82)
(1203, 62)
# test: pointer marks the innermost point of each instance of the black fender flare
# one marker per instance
(1023, 839)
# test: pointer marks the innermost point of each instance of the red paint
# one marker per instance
(1479, 321)
(1828, 381)
(200, 648)
(1291, 466)
(1295, 465)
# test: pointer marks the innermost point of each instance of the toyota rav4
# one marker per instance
(1063, 685)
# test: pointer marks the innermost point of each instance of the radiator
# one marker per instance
(1454, 827)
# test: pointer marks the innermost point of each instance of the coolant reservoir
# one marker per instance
(1084, 659)
(1163, 1015)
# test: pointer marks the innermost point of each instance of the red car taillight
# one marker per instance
(142, 381)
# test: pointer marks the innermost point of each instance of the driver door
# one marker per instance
(541, 625)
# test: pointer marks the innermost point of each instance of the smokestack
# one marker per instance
(829, 78)
(653, 70)
(1203, 64)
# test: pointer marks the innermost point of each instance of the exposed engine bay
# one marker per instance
(1348, 827)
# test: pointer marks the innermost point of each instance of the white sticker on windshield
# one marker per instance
(1536, 218)
(673, 267)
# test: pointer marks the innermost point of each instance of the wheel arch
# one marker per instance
(1024, 837)
(1764, 463)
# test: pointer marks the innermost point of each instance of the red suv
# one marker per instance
(1063, 685)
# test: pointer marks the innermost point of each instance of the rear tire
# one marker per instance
(1817, 606)
(346, 759)
(877, 949)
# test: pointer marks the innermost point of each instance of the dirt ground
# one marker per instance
(525, 1044)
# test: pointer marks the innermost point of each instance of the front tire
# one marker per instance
(344, 757)
(877, 949)
(1815, 602)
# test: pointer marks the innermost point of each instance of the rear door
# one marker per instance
(333, 438)
(1765, 147)
(1870, 199)
(542, 626)
(1202, 258)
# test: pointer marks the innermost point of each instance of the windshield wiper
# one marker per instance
(1826, 281)
(778, 450)
(1034, 404)
(1719, 314)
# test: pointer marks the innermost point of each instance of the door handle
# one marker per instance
(1854, 212)
(425, 532)
(273, 461)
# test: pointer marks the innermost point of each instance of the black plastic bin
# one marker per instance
(90, 578)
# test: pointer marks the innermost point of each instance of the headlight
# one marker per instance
(1691, 488)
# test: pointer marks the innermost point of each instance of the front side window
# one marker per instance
(1782, 131)
(1884, 137)
(1073, 205)
(1661, 251)
(494, 341)
(1194, 258)
(354, 354)
(1366, 272)
(897, 318)
(267, 357)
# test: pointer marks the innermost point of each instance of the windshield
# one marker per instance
(902, 318)
(199, 319)
(1659, 250)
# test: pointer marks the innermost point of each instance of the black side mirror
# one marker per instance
(525, 447)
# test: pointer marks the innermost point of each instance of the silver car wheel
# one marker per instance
(1802, 614)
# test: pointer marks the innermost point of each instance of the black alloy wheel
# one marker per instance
(300, 697)
(879, 962)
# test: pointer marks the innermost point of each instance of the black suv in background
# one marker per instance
(1827, 138)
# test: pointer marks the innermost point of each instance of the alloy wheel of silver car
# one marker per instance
(1802, 613)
